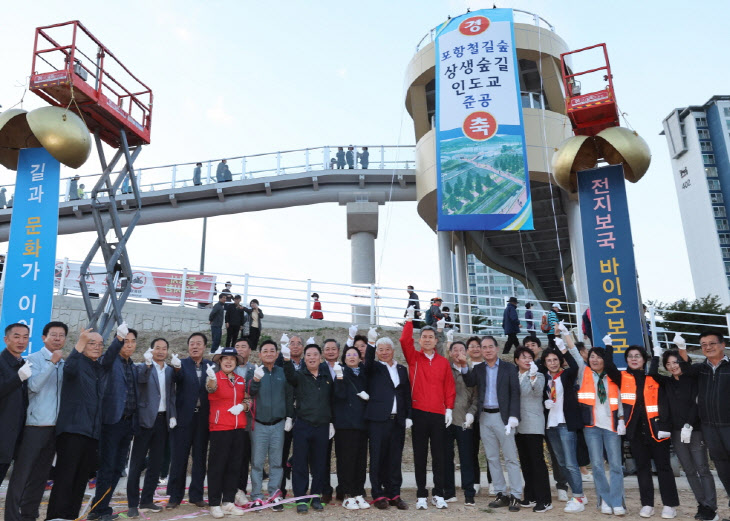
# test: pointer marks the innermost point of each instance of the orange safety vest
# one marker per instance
(587, 398)
(651, 400)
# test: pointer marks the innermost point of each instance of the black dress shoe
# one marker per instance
(170, 506)
(317, 504)
(398, 503)
(302, 508)
(381, 503)
(201, 503)
(326, 498)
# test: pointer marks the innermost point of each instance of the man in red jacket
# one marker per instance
(433, 395)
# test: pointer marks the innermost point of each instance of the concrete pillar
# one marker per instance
(575, 229)
(446, 268)
(462, 284)
(362, 230)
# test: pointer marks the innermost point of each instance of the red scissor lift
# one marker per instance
(589, 113)
(72, 68)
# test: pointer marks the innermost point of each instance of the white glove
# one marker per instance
(621, 428)
(173, 423)
(285, 352)
(175, 362)
(258, 373)
(440, 323)
(560, 344)
(288, 424)
(338, 370)
(122, 330)
(236, 409)
(372, 336)
(409, 423)
(449, 417)
(148, 357)
(311, 340)
(284, 340)
(549, 404)
(210, 372)
(686, 434)
(607, 341)
(561, 327)
(679, 342)
(663, 434)
(352, 331)
(450, 335)
(24, 372)
(533, 369)
(365, 396)
(469, 420)
(658, 350)
(410, 312)
(512, 423)
(332, 431)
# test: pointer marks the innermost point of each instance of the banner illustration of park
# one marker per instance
(481, 156)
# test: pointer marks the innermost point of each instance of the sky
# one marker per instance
(232, 78)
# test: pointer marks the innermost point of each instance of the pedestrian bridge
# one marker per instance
(260, 182)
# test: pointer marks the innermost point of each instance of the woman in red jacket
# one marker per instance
(227, 423)
(316, 313)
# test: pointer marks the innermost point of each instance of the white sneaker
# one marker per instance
(241, 498)
(493, 492)
(362, 503)
(646, 511)
(452, 499)
(477, 488)
(439, 502)
(586, 477)
(562, 495)
(583, 500)
(231, 509)
(422, 503)
(574, 505)
(619, 511)
(669, 512)
(162, 482)
(351, 504)
(605, 509)
(216, 512)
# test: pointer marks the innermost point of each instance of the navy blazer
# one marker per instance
(190, 389)
(115, 393)
(382, 391)
(508, 388)
(13, 404)
(149, 394)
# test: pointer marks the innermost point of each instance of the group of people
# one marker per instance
(94, 410)
(236, 317)
(341, 158)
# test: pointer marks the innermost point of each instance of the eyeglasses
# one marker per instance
(634, 357)
(709, 344)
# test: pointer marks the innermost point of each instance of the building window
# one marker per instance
(701, 121)
(727, 123)
(711, 171)
(708, 159)
(726, 110)
(725, 253)
(713, 184)
(704, 133)
(719, 211)
(722, 224)
(717, 198)
(727, 267)
(705, 146)
(724, 238)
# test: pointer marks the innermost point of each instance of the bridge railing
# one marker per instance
(369, 304)
(250, 167)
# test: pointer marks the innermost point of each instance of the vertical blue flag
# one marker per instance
(30, 264)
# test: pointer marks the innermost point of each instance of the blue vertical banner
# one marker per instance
(30, 264)
(481, 157)
(609, 259)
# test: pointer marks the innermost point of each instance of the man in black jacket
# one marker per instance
(13, 392)
(215, 319)
(388, 412)
(78, 428)
(313, 394)
(235, 318)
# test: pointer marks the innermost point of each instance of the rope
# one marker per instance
(73, 99)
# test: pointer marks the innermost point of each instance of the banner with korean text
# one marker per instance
(609, 259)
(481, 158)
(28, 273)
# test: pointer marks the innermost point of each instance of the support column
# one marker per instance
(462, 285)
(362, 230)
(575, 230)
(446, 269)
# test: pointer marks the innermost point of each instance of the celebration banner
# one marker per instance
(481, 158)
(29, 268)
(609, 259)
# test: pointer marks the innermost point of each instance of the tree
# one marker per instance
(447, 187)
(672, 316)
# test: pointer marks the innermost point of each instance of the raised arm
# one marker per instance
(406, 342)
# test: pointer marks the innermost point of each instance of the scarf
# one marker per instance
(601, 387)
(553, 389)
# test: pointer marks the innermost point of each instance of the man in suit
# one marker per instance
(78, 428)
(498, 389)
(191, 433)
(118, 421)
(296, 349)
(388, 412)
(156, 415)
(13, 392)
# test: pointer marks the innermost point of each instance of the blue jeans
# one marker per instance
(597, 440)
(565, 446)
(266, 440)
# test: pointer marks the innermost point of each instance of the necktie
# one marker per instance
(601, 387)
